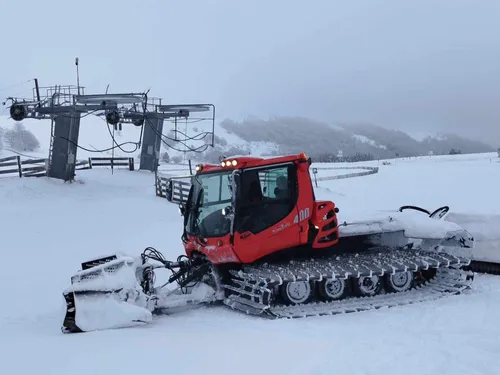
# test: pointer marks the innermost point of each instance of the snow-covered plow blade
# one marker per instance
(118, 291)
(106, 294)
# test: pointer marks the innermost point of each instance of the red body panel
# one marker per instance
(217, 250)
(250, 247)
(325, 221)
(292, 231)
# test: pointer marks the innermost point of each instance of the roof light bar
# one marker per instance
(229, 163)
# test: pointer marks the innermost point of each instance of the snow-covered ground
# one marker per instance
(49, 227)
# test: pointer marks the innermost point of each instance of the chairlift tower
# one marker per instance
(64, 106)
(174, 113)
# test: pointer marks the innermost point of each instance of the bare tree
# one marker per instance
(21, 139)
(165, 157)
(176, 159)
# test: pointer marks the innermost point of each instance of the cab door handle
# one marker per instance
(245, 235)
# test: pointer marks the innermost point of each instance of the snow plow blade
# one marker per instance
(106, 294)
(101, 310)
(119, 292)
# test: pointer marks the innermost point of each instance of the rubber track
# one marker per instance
(253, 285)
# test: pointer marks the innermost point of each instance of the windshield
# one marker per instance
(211, 193)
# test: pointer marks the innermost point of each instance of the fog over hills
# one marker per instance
(274, 136)
(298, 134)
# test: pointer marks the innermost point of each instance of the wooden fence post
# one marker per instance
(19, 166)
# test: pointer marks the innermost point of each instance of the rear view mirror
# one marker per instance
(169, 190)
(176, 190)
(235, 183)
(227, 211)
(182, 208)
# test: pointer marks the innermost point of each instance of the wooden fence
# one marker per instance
(112, 162)
(367, 171)
(23, 168)
(174, 189)
(38, 167)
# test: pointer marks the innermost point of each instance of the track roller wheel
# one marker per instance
(367, 286)
(399, 281)
(297, 292)
(333, 289)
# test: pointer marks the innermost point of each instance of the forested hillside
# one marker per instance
(325, 141)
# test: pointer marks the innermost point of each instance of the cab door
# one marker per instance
(266, 211)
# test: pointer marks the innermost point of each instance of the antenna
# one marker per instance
(77, 76)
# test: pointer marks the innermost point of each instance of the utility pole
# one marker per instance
(77, 76)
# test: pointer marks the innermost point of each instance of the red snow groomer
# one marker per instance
(257, 240)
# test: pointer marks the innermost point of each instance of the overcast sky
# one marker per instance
(419, 66)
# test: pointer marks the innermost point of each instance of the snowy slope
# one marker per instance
(43, 246)
(255, 148)
(365, 139)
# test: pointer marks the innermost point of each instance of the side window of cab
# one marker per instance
(268, 196)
